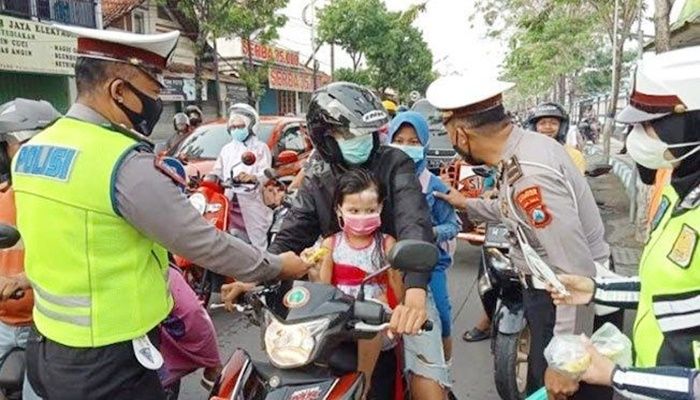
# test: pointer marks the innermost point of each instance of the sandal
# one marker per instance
(476, 335)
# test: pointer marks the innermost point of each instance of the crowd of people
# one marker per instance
(99, 217)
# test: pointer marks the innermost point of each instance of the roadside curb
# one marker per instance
(623, 167)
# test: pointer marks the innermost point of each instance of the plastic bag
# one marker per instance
(567, 355)
(613, 344)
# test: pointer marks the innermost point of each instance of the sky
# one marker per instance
(456, 45)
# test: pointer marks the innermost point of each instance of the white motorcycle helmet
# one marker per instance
(246, 112)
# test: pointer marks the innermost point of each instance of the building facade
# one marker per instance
(36, 59)
(289, 83)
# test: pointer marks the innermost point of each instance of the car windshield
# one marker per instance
(439, 140)
(428, 112)
(265, 131)
(205, 143)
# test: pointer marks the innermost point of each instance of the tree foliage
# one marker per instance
(361, 76)
(395, 53)
(554, 45)
(355, 25)
(402, 62)
(250, 19)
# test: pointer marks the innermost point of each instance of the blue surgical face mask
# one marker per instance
(356, 150)
(239, 134)
(417, 153)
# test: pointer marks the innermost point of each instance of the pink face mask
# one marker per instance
(361, 225)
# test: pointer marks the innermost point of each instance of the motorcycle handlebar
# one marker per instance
(365, 327)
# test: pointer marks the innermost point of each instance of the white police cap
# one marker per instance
(150, 52)
(461, 91)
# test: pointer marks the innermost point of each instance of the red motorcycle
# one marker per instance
(208, 198)
(309, 332)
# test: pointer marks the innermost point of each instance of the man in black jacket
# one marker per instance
(343, 122)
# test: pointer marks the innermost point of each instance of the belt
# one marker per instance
(532, 282)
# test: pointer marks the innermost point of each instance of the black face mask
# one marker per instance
(144, 121)
(466, 154)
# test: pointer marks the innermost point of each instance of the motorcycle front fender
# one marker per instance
(227, 382)
(511, 318)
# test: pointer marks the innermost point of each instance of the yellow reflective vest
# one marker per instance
(96, 279)
(667, 328)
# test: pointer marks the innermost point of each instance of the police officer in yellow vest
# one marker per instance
(97, 214)
(664, 110)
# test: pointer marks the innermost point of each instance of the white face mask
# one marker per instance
(650, 152)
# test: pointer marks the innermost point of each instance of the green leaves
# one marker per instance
(396, 55)
(253, 19)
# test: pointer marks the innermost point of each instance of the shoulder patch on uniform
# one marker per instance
(684, 247)
(53, 162)
(173, 169)
(660, 212)
(530, 201)
(512, 171)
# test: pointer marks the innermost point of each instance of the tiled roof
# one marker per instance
(115, 9)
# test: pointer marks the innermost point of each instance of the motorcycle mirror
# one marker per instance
(9, 236)
(287, 157)
(248, 158)
(413, 256)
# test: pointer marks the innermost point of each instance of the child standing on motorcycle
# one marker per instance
(409, 132)
(359, 250)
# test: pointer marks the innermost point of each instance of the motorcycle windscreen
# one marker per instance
(299, 300)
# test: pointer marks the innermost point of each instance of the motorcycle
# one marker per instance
(208, 198)
(13, 366)
(510, 342)
(309, 332)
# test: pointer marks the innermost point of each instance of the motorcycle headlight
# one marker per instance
(291, 345)
(199, 202)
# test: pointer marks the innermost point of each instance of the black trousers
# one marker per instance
(540, 313)
(59, 372)
(383, 378)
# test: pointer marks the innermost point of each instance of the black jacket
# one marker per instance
(404, 215)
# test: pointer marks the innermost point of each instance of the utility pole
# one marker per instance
(332, 61)
(310, 21)
(217, 84)
(607, 129)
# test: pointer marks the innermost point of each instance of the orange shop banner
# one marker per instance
(262, 52)
(295, 81)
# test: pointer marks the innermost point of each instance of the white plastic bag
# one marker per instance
(567, 355)
(613, 344)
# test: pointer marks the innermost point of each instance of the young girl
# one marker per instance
(409, 132)
(357, 251)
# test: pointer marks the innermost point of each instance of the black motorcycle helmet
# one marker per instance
(195, 120)
(552, 110)
(347, 108)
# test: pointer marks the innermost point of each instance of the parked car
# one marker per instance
(200, 150)
(441, 152)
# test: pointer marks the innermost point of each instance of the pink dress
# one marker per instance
(187, 336)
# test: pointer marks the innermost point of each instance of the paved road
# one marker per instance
(472, 364)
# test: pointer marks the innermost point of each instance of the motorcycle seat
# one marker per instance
(12, 370)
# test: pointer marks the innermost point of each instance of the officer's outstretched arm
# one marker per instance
(154, 205)
(546, 206)
(665, 383)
